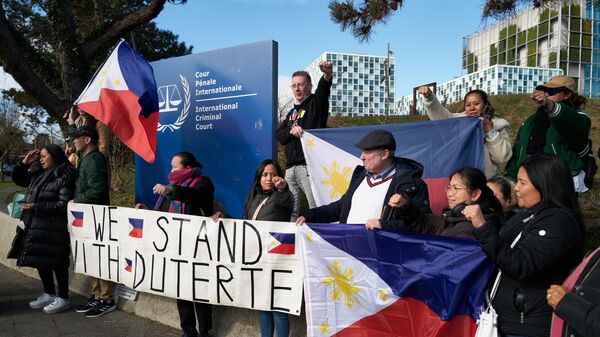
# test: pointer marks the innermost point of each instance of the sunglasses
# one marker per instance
(553, 91)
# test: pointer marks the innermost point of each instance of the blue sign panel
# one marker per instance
(221, 106)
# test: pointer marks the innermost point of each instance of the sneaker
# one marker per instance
(42, 301)
(101, 308)
(91, 303)
(58, 305)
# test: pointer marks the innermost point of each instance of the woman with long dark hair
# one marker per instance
(504, 192)
(497, 147)
(188, 192)
(468, 186)
(559, 126)
(269, 199)
(536, 248)
(50, 188)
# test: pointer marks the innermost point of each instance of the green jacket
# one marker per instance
(567, 137)
(92, 179)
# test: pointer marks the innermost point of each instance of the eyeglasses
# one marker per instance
(554, 91)
(454, 188)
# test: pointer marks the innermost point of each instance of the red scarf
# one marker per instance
(187, 177)
(557, 324)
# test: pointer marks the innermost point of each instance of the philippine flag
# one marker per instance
(379, 283)
(440, 146)
(128, 265)
(77, 219)
(282, 243)
(123, 96)
(137, 227)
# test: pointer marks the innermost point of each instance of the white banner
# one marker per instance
(242, 263)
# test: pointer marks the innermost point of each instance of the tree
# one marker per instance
(52, 47)
(360, 19)
(11, 131)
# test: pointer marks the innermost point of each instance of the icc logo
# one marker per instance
(169, 100)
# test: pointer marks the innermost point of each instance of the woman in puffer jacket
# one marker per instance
(50, 188)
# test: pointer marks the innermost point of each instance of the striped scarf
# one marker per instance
(185, 178)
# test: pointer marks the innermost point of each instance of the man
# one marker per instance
(92, 188)
(310, 112)
(371, 186)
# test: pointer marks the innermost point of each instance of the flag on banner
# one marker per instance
(440, 146)
(123, 96)
(128, 265)
(379, 283)
(282, 243)
(137, 227)
(77, 219)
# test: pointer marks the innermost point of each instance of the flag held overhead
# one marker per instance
(123, 96)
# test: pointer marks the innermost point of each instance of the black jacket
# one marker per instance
(46, 233)
(580, 309)
(551, 245)
(200, 196)
(312, 114)
(278, 207)
(407, 179)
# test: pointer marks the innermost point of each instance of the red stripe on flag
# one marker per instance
(77, 222)
(120, 111)
(408, 317)
(284, 248)
(136, 233)
(437, 195)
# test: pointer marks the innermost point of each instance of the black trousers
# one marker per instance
(189, 312)
(62, 279)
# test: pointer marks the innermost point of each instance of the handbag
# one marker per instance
(487, 325)
(18, 242)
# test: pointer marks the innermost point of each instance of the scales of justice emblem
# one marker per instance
(169, 99)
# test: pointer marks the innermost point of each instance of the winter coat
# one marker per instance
(312, 113)
(46, 233)
(550, 246)
(407, 179)
(567, 136)
(580, 309)
(92, 179)
(278, 207)
(497, 148)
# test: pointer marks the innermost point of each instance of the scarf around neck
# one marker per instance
(187, 177)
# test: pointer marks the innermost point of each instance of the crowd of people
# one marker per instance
(527, 221)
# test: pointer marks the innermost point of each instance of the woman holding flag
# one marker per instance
(269, 199)
(188, 192)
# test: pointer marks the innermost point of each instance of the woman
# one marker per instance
(269, 199)
(467, 186)
(188, 192)
(576, 303)
(550, 242)
(497, 147)
(558, 126)
(503, 190)
(50, 188)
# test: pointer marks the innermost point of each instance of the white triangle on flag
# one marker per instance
(329, 167)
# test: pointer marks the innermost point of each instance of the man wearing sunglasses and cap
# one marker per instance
(371, 186)
(559, 126)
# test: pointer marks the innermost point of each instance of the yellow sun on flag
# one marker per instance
(382, 295)
(339, 179)
(342, 284)
(310, 142)
(308, 238)
(117, 82)
(324, 328)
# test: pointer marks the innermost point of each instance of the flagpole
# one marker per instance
(121, 40)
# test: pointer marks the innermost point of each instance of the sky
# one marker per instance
(424, 35)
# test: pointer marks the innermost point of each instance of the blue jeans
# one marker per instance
(298, 180)
(282, 324)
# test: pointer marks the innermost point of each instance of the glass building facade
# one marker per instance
(563, 36)
(495, 80)
(360, 86)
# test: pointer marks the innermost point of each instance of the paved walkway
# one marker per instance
(17, 319)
